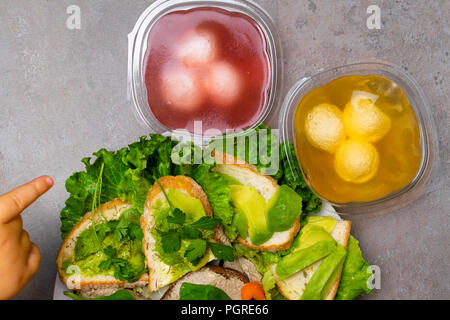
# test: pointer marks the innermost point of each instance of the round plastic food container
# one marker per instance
(137, 47)
(418, 102)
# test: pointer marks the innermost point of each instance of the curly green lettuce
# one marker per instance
(219, 196)
(261, 261)
(355, 273)
(290, 174)
(127, 174)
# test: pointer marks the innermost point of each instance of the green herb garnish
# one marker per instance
(195, 251)
(222, 251)
(170, 241)
(194, 232)
(205, 223)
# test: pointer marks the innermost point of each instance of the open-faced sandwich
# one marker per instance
(108, 255)
(140, 225)
(267, 216)
(177, 224)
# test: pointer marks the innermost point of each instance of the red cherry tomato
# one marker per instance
(252, 290)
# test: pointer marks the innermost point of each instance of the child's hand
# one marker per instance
(19, 257)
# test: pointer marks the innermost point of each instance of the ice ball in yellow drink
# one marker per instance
(324, 127)
(356, 161)
(364, 120)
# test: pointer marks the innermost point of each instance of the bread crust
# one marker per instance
(112, 209)
(184, 183)
(227, 159)
(275, 247)
(335, 287)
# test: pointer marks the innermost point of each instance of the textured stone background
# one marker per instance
(63, 96)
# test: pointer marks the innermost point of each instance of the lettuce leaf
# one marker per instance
(255, 151)
(290, 174)
(81, 186)
(270, 289)
(254, 256)
(355, 273)
(127, 174)
(219, 196)
(261, 259)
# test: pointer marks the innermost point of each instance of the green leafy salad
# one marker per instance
(183, 233)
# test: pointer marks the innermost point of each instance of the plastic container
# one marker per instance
(137, 47)
(418, 101)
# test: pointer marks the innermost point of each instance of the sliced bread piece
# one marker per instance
(293, 287)
(111, 210)
(160, 273)
(266, 186)
(226, 279)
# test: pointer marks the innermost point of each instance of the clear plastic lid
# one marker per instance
(137, 47)
(417, 100)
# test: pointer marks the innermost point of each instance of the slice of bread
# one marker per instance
(110, 211)
(226, 279)
(249, 176)
(293, 287)
(159, 272)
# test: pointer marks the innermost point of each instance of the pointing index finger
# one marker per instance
(15, 201)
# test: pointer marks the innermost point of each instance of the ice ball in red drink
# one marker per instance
(182, 89)
(198, 48)
(224, 83)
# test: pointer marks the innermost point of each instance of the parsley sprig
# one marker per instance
(122, 269)
(198, 245)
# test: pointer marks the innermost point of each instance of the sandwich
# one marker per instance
(167, 195)
(313, 268)
(104, 250)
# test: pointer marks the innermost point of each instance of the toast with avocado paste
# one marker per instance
(109, 255)
(299, 275)
(169, 199)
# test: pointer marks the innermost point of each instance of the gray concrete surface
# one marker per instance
(63, 96)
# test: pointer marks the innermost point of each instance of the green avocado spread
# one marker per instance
(258, 218)
(112, 248)
(283, 208)
(249, 202)
(193, 208)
